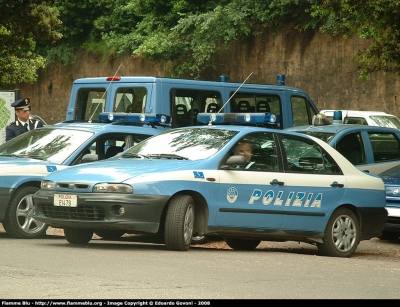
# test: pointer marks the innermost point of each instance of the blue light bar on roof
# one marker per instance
(135, 118)
(238, 118)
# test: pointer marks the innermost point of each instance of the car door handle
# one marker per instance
(336, 184)
(276, 181)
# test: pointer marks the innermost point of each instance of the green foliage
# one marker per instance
(22, 24)
(374, 20)
(14, 69)
(187, 35)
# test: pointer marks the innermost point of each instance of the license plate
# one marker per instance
(64, 200)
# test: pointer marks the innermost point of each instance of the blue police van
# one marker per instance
(183, 99)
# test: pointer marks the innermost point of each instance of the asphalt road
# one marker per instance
(51, 268)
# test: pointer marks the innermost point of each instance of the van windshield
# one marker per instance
(386, 121)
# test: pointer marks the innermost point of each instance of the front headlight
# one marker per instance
(47, 185)
(112, 188)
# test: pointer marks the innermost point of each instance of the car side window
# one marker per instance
(385, 146)
(107, 146)
(351, 146)
(260, 151)
(305, 156)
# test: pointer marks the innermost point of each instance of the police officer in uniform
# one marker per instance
(23, 122)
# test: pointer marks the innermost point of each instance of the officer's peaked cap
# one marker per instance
(22, 104)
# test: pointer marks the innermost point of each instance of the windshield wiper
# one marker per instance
(13, 155)
(168, 156)
(135, 155)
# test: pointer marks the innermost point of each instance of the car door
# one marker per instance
(314, 185)
(251, 198)
(385, 149)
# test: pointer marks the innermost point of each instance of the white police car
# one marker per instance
(26, 159)
(187, 181)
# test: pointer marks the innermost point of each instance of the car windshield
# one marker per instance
(325, 136)
(187, 143)
(386, 121)
(53, 145)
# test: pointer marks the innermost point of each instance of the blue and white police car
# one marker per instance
(192, 181)
(372, 149)
(26, 159)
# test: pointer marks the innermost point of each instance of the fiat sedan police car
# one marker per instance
(372, 149)
(193, 181)
(26, 159)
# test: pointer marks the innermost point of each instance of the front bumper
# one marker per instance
(393, 221)
(142, 213)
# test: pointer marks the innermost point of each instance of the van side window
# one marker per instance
(89, 103)
(256, 103)
(303, 113)
(355, 120)
(385, 146)
(187, 103)
(130, 99)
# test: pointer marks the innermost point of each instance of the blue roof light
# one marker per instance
(238, 118)
(337, 117)
(135, 118)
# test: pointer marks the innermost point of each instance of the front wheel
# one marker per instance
(179, 223)
(78, 236)
(19, 221)
(342, 234)
(242, 244)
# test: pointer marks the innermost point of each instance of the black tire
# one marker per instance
(199, 240)
(79, 236)
(110, 234)
(179, 223)
(389, 236)
(19, 221)
(342, 234)
(242, 244)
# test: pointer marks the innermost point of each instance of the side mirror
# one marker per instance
(236, 160)
(90, 158)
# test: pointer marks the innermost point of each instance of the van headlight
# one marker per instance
(47, 185)
(113, 188)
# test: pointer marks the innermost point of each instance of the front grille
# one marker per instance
(84, 213)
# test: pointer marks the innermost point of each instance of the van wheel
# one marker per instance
(179, 223)
(242, 244)
(342, 234)
(78, 236)
(19, 221)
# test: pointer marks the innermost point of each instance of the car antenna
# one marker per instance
(210, 122)
(94, 112)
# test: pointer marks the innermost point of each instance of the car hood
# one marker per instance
(117, 170)
(25, 166)
(392, 180)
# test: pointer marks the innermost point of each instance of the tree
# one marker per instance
(22, 24)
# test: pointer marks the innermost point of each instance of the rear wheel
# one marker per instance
(242, 244)
(342, 234)
(78, 236)
(179, 223)
(19, 221)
